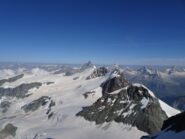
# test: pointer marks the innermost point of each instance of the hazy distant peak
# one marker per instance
(87, 65)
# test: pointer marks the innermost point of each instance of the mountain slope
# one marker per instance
(55, 121)
(126, 103)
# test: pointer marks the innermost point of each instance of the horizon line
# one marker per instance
(80, 63)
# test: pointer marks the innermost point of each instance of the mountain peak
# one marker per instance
(98, 72)
(87, 65)
(172, 70)
(115, 81)
(145, 70)
(133, 105)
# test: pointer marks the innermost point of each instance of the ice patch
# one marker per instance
(144, 103)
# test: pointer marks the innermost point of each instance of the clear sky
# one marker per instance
(103, 31)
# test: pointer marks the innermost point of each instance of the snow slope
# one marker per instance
(169, 110)
(67, 94)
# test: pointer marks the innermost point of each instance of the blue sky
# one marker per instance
(104, 31)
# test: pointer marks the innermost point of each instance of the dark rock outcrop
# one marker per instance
(49, 83)
(19, 91)
(10, 80)
(34, 105)
(9, 130)
(114, 82)
(173, 124)
(75, 78)
(4, 105)
(102, 71)
(132, 105)
(50, 113)
(88, 93)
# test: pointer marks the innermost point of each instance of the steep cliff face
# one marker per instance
(173, 128)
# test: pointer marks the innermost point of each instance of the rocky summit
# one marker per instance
(101, 71)
(115, 81)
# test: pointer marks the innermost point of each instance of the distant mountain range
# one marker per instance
(166, 82)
